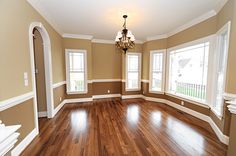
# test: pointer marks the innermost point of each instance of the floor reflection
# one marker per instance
(133, 114)
(79, 120)
(156, 118)
(185, 136)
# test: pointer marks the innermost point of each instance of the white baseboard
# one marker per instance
(132, 96)
(223, 138)
(42, 114)
(106, 96)
(56, 110)
(78, 100)
(24, 143)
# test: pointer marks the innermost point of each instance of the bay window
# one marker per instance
(133, 71)
(157, 68)
(76, 69)
(188, 70)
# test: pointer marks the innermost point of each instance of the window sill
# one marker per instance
(193, 101)
(132, 90)
(73, 93)
(156, 92)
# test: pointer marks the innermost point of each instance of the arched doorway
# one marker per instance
(37, 26)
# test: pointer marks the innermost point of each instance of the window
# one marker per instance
(188, 68)
(157, 75)
(76, 68)
(221, 65)
(133, 71)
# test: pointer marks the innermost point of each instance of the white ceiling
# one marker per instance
(103, 18)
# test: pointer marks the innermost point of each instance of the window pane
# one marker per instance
(133, 71)
(188, 71)
(133, 80)
(77, 82)
(218, 103)
(76, 61)
(156, 81)
(133, 61)
(157, 63)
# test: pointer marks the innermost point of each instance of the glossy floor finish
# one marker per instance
(124, 127)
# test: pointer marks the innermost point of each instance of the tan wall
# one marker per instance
(101, 88)
(59, 92)
(232, 140)
(22, 114)
(40, 76)
(106, 61)
(203, 29)
(16, 16)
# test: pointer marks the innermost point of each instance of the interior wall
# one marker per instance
(16, 17)
(40, 75)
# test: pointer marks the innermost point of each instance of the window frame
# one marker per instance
(211, 40)
(152, 52)
(139, 71)
(225, 29)
(67, 51)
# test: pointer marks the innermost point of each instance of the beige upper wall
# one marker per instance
(203, 29)
(106, 61)
(16, 16)
(69, 43)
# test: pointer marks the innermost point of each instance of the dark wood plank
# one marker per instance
(124, 127)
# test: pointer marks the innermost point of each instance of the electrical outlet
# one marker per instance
(182, 103)
(108, 91)
(60, 99)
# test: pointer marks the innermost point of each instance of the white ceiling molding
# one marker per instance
(220, 5)
(138, 41)
(158, 37)
(193, 22)
(103, 41)
(43, 13)
(76, 36)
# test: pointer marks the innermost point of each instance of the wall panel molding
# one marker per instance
(15, 101)
(55, 85)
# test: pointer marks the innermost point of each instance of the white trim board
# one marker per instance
(77, 36)
(58, 108)
(106, 80)
(55, 85)
(78, 100)
(106, 96)
(24, 143)
(15, 101)
(42, 114)
(223, 138)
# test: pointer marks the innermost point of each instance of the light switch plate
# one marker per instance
(25, 75)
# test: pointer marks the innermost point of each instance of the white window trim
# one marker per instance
(163, 51)
(67, 51)
(209, 72)
(139, 74)
(225, 28)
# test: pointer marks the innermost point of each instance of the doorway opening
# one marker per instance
(41, 70)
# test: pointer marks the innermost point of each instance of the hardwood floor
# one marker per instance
(128, 127)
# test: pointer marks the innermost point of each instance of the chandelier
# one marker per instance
(125, 39)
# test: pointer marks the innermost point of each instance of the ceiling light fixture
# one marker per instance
(125, 38)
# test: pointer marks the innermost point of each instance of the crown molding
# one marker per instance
(103, 41)
(35, 5)
(193, 22)
(185, 26)
(77, 36)
(138, 42)
(157, 37)
(220, 5)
